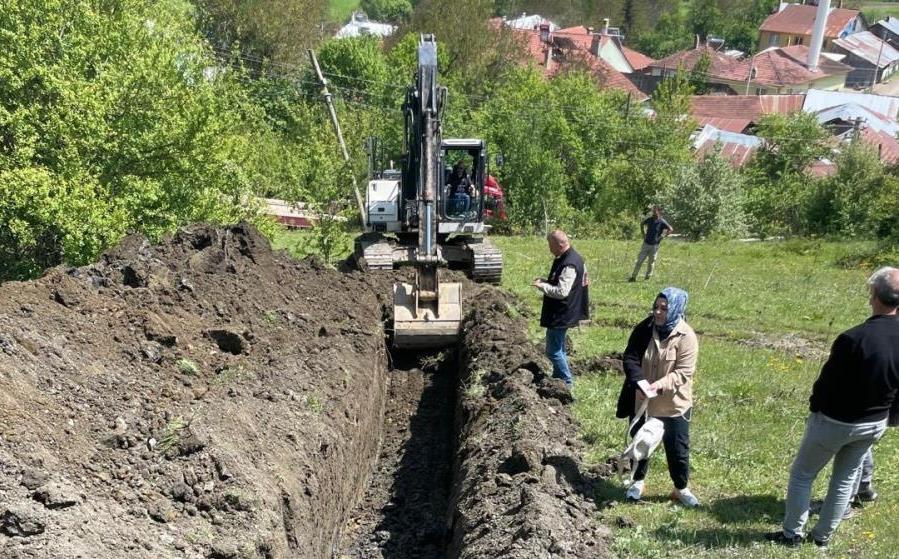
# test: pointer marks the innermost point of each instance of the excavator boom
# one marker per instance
(428, 313)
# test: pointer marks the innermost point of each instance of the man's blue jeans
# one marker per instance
(555, 350)
(826, 439)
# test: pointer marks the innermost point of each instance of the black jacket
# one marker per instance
(633, 366)
(567, 312)
(860, 380)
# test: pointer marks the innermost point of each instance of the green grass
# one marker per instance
(340, 10)
(751, 399)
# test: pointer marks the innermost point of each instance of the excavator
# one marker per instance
(414, 218)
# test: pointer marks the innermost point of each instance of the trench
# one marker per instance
(404, 511)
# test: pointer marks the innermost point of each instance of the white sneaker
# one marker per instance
(635, 491)
(686, 497)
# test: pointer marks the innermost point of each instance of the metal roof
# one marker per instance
(891, 24)
(851, 111)
(532, 21)
(870, 47)
(816, 100)
(737, 148)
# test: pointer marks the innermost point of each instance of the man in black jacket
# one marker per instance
(850, 404)
(565, 301)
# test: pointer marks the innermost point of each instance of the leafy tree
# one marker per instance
(387, 10)
(780, 186)
(118, 124)
(707, 199)
(276, 30)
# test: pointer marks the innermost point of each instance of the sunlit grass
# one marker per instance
(766, 314)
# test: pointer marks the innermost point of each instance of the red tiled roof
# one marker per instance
(687, 59)
(574, 54)
(742, 108)
(799, 20)
(637, 60)
(787, 66)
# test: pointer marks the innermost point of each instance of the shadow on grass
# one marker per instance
(745, 509)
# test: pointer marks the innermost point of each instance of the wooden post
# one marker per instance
(346, 156)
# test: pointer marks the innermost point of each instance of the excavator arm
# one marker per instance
(426, 313)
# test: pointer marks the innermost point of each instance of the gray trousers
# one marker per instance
(826, 439)
(865, 472)
(646, 250)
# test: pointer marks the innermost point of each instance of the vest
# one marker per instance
(567, 312)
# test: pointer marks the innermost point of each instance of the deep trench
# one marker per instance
(404, 512)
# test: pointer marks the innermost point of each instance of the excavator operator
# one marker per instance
(460, 189)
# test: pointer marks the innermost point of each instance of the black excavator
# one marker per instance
(415, 217)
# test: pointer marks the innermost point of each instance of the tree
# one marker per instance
(277, 30)
(387, 10)
(707, 199)
(119, 124)
(780, 186)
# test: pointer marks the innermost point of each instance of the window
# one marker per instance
(773, 40)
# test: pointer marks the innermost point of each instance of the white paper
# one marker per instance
(645, 387)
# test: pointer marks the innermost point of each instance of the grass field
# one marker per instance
(340, 10)
(765, 314)
(875, 11)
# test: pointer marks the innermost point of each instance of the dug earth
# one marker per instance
(208, 397)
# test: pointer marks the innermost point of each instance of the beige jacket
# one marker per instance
(672, 361)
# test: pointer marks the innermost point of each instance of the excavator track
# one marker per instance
(374, 254)
(487, 262)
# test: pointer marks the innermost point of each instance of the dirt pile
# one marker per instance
(206, 397)
(210, 398)
(520, 490)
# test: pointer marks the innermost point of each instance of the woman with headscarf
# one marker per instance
(662, 351)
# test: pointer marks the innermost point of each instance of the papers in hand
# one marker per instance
(647, 389)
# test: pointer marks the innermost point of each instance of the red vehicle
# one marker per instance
(494, 199)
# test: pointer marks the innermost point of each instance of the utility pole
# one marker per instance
(346, 156)
(751, 68)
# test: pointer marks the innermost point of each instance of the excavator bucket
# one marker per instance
(426, 324)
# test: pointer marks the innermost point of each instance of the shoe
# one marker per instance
(866, 493)
(646, 278)
(850, 512)
(635, 491)
(780, 538)
(631, 280)
(686, 497)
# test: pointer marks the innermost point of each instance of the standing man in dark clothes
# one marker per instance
(565, 301)
(654, 228)
(850, 403)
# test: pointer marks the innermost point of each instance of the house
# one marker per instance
(816, 100)
(850, 121)
(574, 48)
(739, 113)
(872, 59)
(360, 25)
(772, 71)
(738, 149)
(606, 44)
(792, 25)
(888, 30)
(529, 22)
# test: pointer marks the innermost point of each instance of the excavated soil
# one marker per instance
(210, 398)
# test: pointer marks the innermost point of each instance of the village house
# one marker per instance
(792, 25)
(581, 48)
(359, 25)
(872, 59)
(772, 71)
(888, 30)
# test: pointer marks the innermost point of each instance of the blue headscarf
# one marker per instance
(677, 305)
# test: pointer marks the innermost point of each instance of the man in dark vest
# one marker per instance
(565, 301)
